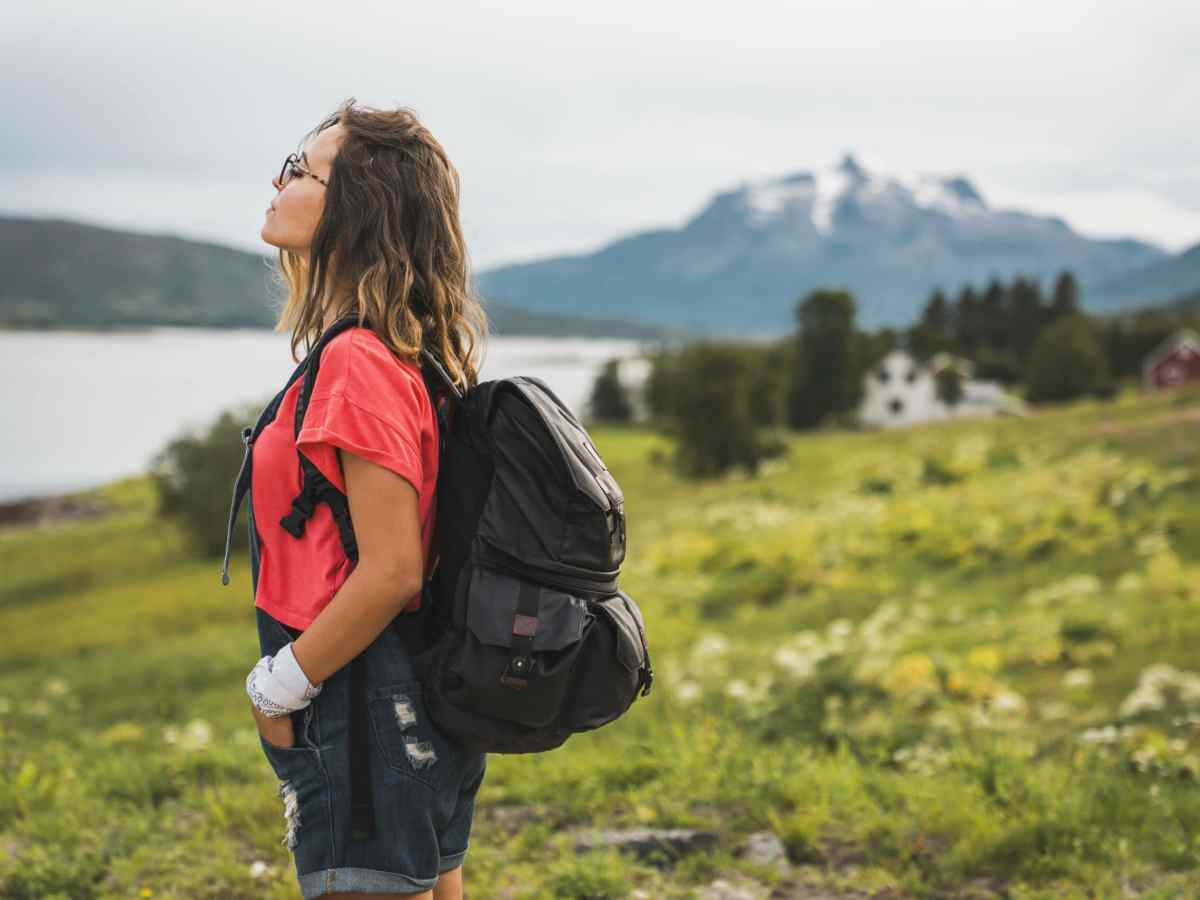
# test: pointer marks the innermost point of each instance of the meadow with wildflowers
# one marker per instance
(954, 660)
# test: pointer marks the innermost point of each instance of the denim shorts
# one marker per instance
(423, 784)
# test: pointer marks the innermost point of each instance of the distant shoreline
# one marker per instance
(49, 509)
(123, 328)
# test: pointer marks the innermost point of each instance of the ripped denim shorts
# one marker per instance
(423, 784)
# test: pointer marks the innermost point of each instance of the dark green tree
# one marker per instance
(828, 375)
(968, 321)
(992, 330)
(949, 385)
(1026, 316)
(712, 416)
(1129, 339)
(1067, 361)
(992, 364)
(659, 390)
(608, 401)
(1066, 296)
(934, 330)
(771, 367)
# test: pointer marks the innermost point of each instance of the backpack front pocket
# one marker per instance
(521, 642)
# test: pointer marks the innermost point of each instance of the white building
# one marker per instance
(898, 390)
(632, 372)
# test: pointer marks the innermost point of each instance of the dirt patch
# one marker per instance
(1175, 417)
(34, 512)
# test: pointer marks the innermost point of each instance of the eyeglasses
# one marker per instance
(291, 168)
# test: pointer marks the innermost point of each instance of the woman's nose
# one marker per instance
(275, 181)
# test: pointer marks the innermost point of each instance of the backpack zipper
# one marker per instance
(491, 556)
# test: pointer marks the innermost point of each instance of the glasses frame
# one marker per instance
(294, 162)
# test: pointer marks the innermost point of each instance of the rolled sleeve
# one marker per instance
(336, 421)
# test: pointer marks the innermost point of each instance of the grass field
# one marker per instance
(957, 660)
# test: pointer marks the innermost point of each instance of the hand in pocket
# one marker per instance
(277, 731)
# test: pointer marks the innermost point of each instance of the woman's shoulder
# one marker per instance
(365, 366)
(359, 344)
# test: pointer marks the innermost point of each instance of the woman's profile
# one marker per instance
(366, 220)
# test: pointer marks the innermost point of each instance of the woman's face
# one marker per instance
(293, 216)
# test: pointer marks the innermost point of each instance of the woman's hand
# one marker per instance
(274, 730)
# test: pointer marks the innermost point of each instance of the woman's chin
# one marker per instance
(268, 236)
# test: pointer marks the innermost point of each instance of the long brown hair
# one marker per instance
(389, 248)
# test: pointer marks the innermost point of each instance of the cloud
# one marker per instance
(571, 125)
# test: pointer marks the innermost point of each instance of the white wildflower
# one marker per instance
(1053, 710)
(1106, 734)
(1007, 702)
(196, 735)
(1069, 588)
(738, 688)
(1155, 680)
(840, 628)
(1153, 543)
(687, 691)
(1130, 582)
(1143, 699)
(711, 644)
(1077, 678)
(798, 663)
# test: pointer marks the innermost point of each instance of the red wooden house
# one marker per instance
(1175, 361)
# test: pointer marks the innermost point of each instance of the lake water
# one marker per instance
(82, 408)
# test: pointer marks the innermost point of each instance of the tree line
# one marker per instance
(726, 400)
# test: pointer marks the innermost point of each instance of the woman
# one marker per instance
(366, 220)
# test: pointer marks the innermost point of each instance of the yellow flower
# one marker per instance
(986, 659)
(974, 684)
(912, 674)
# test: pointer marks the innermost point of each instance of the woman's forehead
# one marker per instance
(323, 146)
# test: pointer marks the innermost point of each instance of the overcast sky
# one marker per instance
(574, 123)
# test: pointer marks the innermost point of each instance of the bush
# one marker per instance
(707, 390)
(608, 402)
(193, 477)
(992, 364)
(1067, 362)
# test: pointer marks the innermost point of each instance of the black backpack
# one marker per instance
(523, 636)
(530, 638)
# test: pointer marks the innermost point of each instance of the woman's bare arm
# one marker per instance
(387, 529)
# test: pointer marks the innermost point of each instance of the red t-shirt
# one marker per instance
(366, 401)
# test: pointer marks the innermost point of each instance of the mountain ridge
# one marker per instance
(64, 273)
(753, 250)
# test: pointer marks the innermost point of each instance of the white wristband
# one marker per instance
(290, 678)
(278, 686)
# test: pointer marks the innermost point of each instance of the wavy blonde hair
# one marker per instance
(389, 247)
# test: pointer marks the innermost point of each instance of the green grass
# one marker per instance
(911, 654)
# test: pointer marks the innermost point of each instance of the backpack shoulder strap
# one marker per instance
(315, 487)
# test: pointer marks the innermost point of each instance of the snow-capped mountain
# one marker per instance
(744, 260)
(818, 196)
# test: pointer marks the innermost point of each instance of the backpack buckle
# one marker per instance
(293, 522)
